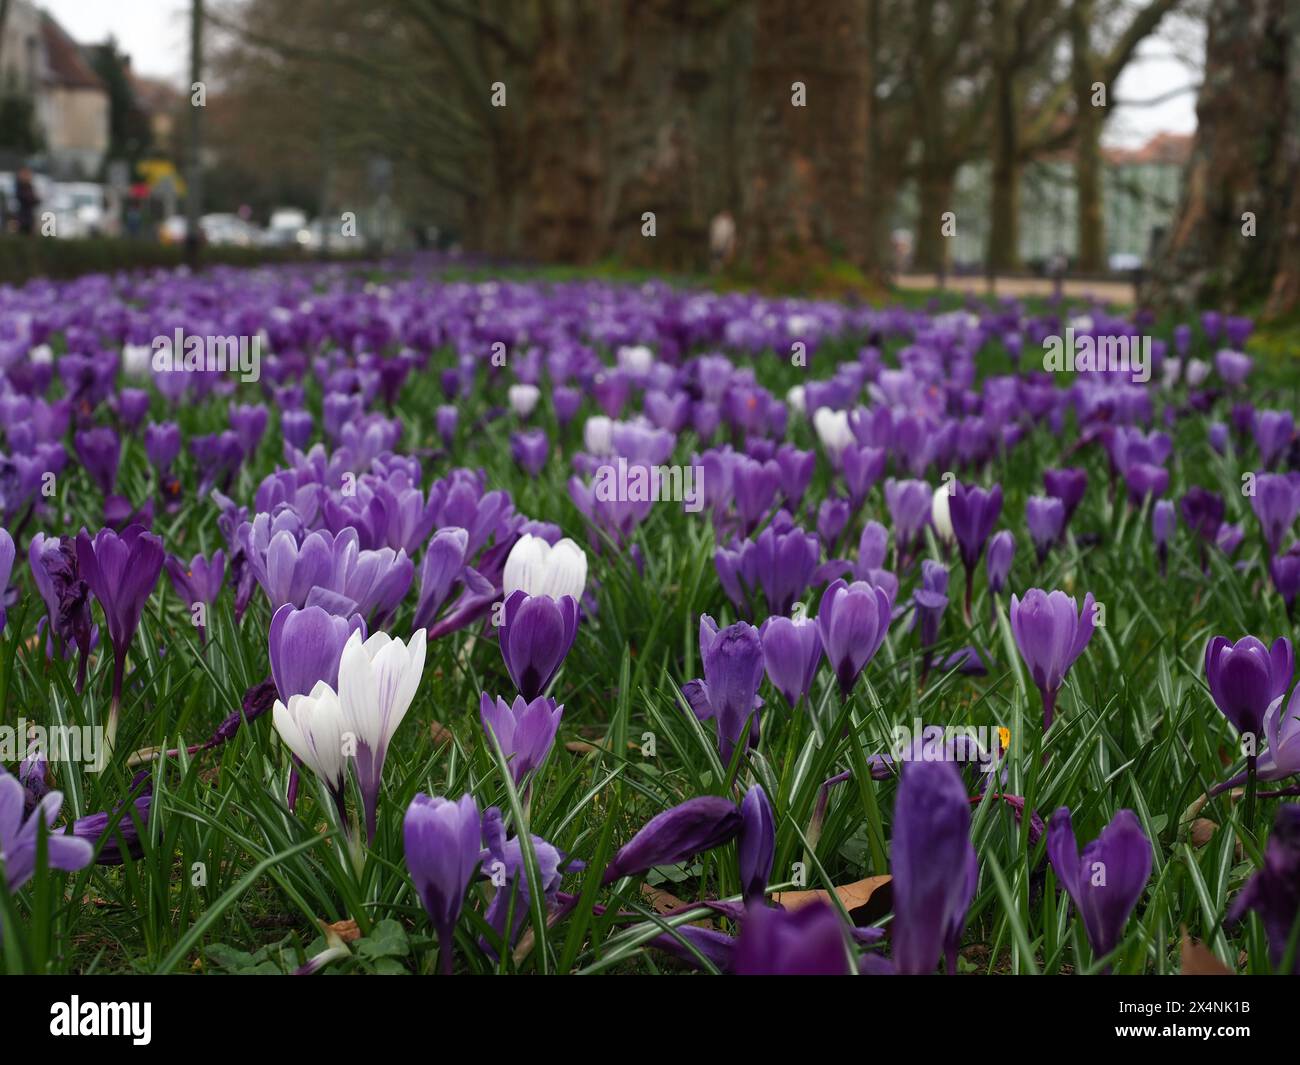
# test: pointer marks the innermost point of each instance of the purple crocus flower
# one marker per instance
(1144, 479)
(1246, 678)
(1282, 758)
(1107, 879)
(248, 422)
(1276, 502)
(796, 471)
(296, 427)
(809, 941)
(305, 647)
(792, 651)
(1045, 516)
(1273, 431)
(783, 564)
(443, 841)
(446, 418)
(536, 634)
(7, 556)
(58, 579)
(529, 449)
(121, 572)
(162, 443)
(115, 834)
(197, 582)
(934, 867)
(1273, 890)
(1163, 521)
(909, 507)
(18, 832)
(1002, 550)
(525, 731)
(1050, 635)
(503, 860)
(100, 450)
(832, 516)
(1069, 485)
(441, 567)
(678, 833)
(930, 601)
(862, 467)
(733, 670)
(852, 620)
(973, 512)
(1203, 512)
(1285, 572)
(756, 847)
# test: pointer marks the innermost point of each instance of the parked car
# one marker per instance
(82, 204)
(288, 227)
(229, 230)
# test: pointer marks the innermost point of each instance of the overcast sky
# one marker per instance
(156, 35)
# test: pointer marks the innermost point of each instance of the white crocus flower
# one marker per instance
(598, 435)
(636, 360)
(537, 568)
(795, 398)
(41, 355)
(1197, 371)
(833, 431)
(377, 681)
(137, 360)
(312, 727)
(1170, 371)
(939, 515)
(523, 398)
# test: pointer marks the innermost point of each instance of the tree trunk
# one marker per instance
(1244, 170)
(935, 189)
(1090, 219)
(808, 192)
(1003, 252)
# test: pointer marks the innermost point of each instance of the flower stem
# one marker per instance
(1251, 785)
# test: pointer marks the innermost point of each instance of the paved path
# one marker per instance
(1120, 292)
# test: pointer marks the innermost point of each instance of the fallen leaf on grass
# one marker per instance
(865, 900)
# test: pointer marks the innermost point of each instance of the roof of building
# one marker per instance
(1160, 148)
(66, 64)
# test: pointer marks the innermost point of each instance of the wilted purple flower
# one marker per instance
(443, 842)
(733, 670)
(121, 571)
(1282, 758)
(100, 451)
(676, 834)
(1045, 516)
(1069, 485)
(934, 867)
(529, 449)
(809, 941)
(536, 633)
(525, 731)
(1276, 502)
(1246, 678)
(57, 576)
(792, 651)
(1107, 879)
(1050, 636)
(1163, 521)
(756, 847)
(18, 842)
(1273, 890)
(122, 838)
(305, 647)
(852, 620)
